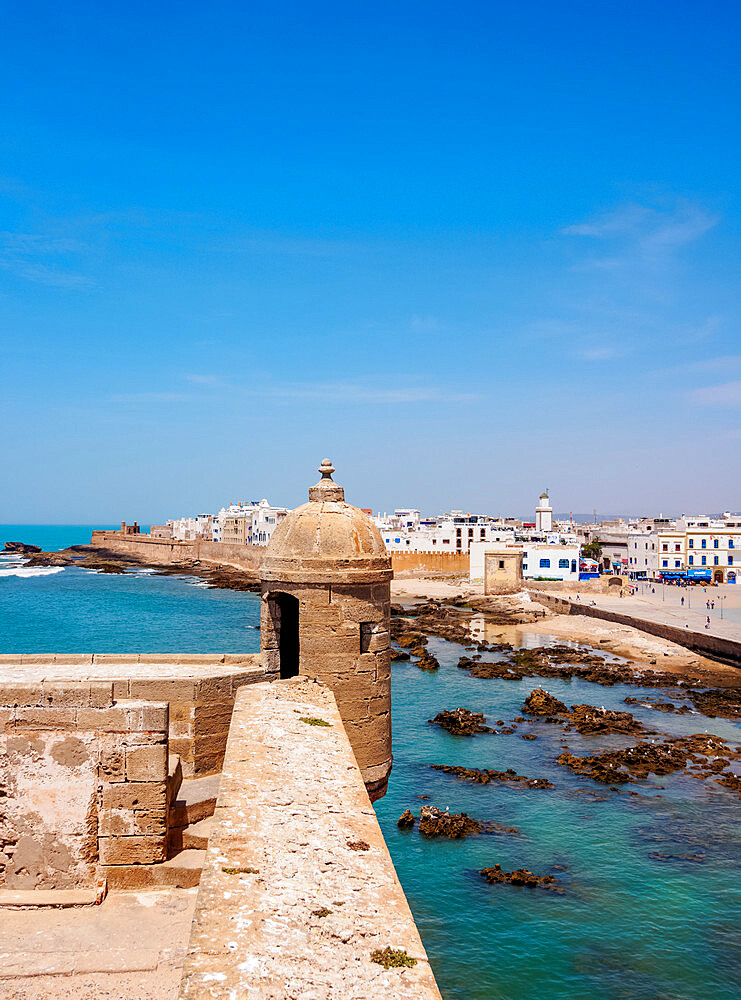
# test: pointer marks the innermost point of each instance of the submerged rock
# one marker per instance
(636, 763)
(659, 706)
(520, 876)
(586, 719)
(461, 722)
(485, 776)
(723, 702)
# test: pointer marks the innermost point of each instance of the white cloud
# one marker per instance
(726, 394)
(648, 235)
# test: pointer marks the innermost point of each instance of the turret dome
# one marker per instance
(326, 540)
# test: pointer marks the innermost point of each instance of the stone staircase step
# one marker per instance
(60, 898)
(192, 837)
(195, 801)
(182, 871)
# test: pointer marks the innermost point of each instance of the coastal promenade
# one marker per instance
(686, 625)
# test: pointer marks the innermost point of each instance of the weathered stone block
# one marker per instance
(153, 689)
(20, 694)
(46, 718)
(137, 850)
(103, 720)
(140, 796)
(146, 763)
(112, 760)
(214, 689)
(183, 747)
(125, 823)
(212, 720)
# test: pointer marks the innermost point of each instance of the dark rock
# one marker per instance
(22, 547)
(723, 702)
(635, 763)
(659, 706)
(435, 823)
(522, 877)
(539, 702)
(485, 776)
(461, 722)
(407, 820)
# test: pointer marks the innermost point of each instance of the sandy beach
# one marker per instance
(621, 640)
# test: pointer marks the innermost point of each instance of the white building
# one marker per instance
(540, 560)
(185, 529)
(248, 523)
(454, 532)
(696, 547)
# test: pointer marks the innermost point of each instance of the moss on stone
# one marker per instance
(240, 870)
(323, 912)
(313, 721)
(392, 958)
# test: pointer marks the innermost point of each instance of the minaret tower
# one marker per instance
(544, 514)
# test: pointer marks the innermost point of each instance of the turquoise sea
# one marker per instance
(637, 921)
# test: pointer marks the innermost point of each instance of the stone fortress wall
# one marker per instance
(97, 751)
(165, 552)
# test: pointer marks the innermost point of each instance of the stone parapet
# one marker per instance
(84, 780)
(198, 688)
(298, 889)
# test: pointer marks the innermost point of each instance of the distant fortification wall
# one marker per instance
(432, 563)
(166, 552)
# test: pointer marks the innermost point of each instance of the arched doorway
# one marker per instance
(718, 576)
(287, 620)
(731, 576)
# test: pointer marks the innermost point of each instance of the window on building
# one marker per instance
(665, 563)
(715, 560)
(397, 540)
(692, 560)
(677, 547)
(677, 563)
(704, 560)
(501, 563)
(730, 560)
(704, 543)
(715, 543)
(563, 563)
(446, 541)
(545, 564)
(692, 543)
(664, 548)
(483, 533)
(730, 543)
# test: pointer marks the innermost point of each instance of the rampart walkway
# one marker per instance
(298, 889)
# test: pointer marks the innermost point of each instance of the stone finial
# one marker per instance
(326, 488)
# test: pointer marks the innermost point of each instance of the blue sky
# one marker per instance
(465, 251)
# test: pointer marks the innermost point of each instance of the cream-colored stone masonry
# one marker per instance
(199, 689)
(298, 889)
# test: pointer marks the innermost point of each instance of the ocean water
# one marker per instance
(629, 926)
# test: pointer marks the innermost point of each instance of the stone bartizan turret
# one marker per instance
(326, 603)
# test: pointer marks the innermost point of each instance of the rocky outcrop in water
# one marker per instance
(484, 776)
(586, 719)
(659, 706)
(22, 548)
(614, 767)
(407, 820)
(461, 722)
(520, 877)
(723, 702)
(540, 702)
(435, 823)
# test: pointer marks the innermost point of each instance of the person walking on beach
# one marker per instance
(707, 622)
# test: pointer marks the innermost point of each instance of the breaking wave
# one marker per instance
(26, 571)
